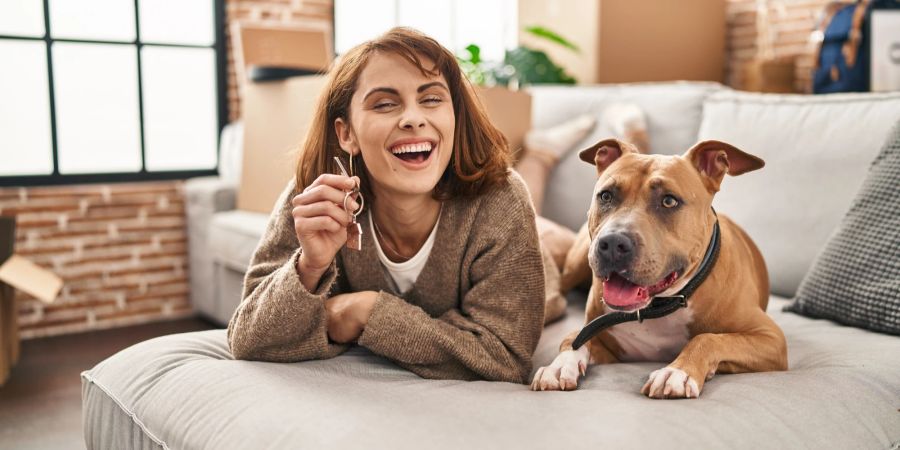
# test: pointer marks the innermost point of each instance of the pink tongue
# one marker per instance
(618, 291)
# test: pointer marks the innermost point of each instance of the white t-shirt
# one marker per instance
(405, 273)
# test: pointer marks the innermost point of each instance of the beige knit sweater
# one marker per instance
(475, 312)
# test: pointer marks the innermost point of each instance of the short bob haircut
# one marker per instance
(481, 155)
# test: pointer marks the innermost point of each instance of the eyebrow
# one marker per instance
(393, 91)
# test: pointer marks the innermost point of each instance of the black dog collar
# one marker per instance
(659, 306)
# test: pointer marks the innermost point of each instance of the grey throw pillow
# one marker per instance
(856, 279)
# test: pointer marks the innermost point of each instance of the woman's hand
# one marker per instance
(320, 222)
(348, 314)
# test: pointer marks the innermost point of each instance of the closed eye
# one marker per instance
(384, 106)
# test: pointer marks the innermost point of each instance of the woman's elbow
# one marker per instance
(237, 344)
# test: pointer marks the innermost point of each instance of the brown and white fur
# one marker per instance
(725, 327)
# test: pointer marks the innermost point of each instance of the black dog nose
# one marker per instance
(616, 250)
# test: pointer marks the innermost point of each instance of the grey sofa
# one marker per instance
(842, 389)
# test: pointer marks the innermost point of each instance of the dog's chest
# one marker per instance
(654, 339)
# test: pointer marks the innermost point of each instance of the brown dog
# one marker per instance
(650, 226)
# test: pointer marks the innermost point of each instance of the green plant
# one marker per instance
(521, 65)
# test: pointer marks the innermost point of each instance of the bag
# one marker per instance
(842, 60)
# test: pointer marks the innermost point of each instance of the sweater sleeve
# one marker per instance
(493, 333)
(278, 318)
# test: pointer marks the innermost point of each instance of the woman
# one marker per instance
(449, 281)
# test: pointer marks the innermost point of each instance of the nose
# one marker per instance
(616, 251)
(412, 119)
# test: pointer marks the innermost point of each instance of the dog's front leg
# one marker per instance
(563, 373)
(705, 354)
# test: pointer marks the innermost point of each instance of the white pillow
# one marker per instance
(673, 116)
(231, 152)
(817, 151)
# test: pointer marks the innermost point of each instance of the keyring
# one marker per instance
(362, 202)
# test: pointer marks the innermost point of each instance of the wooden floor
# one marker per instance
(40, 405)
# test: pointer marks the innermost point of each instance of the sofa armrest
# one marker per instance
(204, 196)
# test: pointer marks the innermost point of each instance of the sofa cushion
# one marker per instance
(673, 112)
(234, 235)
(856, 279)
(817, 151)
(186, 391)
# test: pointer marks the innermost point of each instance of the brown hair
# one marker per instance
(481, 155)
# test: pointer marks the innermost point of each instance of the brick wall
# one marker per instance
(263, 12)
(121, 250)
(791, 22)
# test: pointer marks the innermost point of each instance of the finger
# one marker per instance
(320, 223)
(323, 209)
(319, 193)
(336, 181)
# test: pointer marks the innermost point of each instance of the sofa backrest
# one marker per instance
(817, 149)
(673, 112)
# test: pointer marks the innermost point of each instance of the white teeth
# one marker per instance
(412, 148)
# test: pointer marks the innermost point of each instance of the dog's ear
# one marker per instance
(605, 152)
(713, 159)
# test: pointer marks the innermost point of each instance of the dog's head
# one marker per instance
(650, 219)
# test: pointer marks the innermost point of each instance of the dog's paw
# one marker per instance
(562, 374)
(670, 382)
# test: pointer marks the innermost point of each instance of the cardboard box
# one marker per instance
(277, 116)
(625, 41)
(510, 111)
(298, 46)
(16, 272)
(774, 75)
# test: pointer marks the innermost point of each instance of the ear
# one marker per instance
(345, 135)
(605, 152)
(713, 159)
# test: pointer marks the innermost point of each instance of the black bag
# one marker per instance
(842, 62)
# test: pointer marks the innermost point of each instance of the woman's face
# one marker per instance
(403, 122)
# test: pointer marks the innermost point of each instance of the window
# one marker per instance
(492, 25)
(110, 90)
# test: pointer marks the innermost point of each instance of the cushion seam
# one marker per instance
(731, 98)
(122, 407)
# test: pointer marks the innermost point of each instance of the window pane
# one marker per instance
(180, 124)
(111, 20)
(430, 17)
(486, 24)
(359, 20)
(25, 145)
(192, 25)
(96, 107)
(22, 17)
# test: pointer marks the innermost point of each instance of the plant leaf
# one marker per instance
(551, 36)
(475, 53)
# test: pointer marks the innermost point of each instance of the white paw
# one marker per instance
(670, 382)
(562, 374)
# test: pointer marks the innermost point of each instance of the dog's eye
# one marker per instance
(669, 201)
(606, 196)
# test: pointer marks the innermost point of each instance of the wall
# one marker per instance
(121, 250)
(791, 29)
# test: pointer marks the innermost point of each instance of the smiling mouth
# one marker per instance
(621, 294)
(413, 153)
